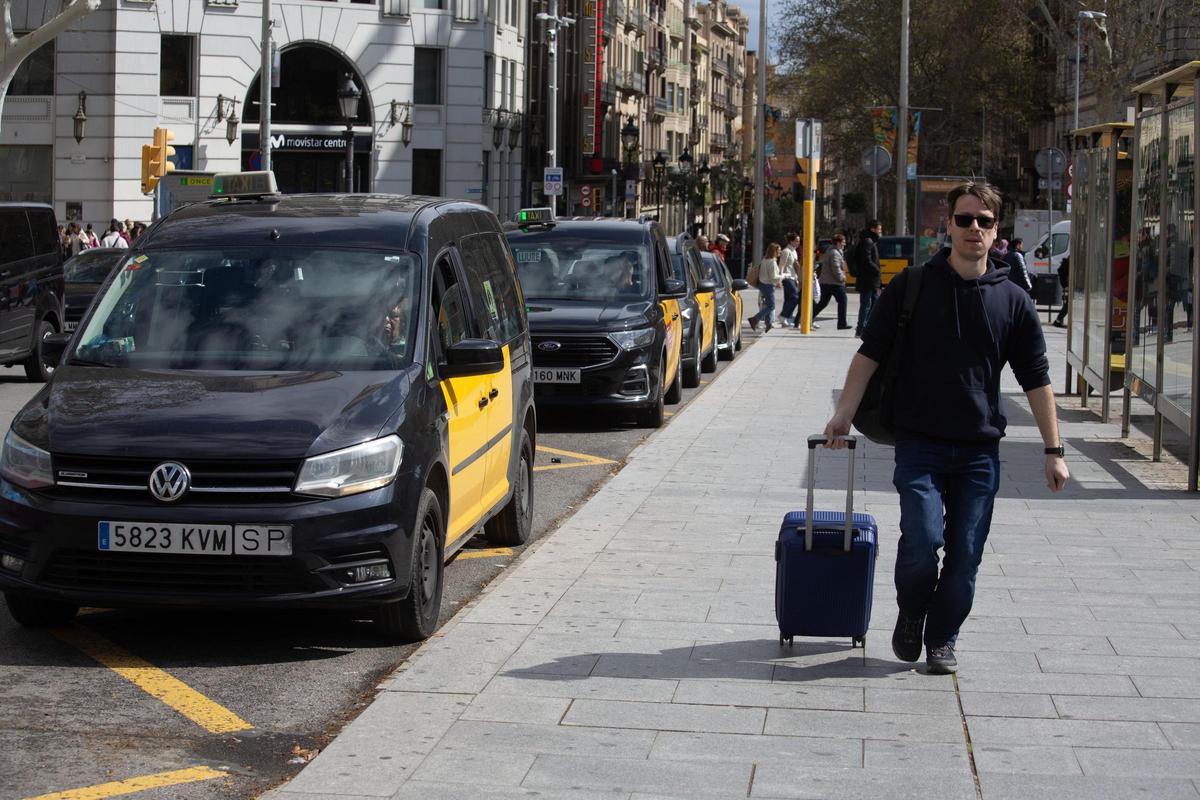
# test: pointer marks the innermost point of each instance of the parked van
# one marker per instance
(31, 285)
(1051, 249)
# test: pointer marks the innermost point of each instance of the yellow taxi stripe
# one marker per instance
(490, 553)
(131, 785)
(582, 459)
(209, 715)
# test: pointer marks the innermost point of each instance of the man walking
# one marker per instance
(1018, 273)
(969, 320)
(833, 281)
(791, 286)
(867, 273)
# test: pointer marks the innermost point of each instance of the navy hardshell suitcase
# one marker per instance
(825, 565)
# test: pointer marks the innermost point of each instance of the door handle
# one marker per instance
(674, 317)
(483, 401)
(494, 393)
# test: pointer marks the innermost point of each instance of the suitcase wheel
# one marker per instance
(783, 639)
(858, 641)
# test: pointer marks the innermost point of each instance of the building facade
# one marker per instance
(441, 109)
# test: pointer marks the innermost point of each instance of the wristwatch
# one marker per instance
(1059, 451)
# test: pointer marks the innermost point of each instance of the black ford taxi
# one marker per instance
(603, 310)
(278, 401)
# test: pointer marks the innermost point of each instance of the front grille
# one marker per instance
(15, 544)
(574, 351)
(213, 481)
(176, 574)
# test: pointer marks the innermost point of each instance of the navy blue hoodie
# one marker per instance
(961, 335)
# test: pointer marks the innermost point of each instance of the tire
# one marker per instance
(674, 392)
(691, 374)
(36, 369)
(415, 617)
(511, 527)
(656, 415)
(737, 345)
(32, 611)
(709, 364)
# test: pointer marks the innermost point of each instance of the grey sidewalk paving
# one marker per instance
(633, 653)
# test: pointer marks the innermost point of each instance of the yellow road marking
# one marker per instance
(489, 553)
(155, 682)
(139, 784)
(582, 459)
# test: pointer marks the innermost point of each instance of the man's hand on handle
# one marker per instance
(837, 428)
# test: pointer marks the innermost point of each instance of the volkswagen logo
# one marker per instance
(170, 481)
(549, 347)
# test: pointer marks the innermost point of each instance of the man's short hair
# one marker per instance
(788, 237)
(1015, 242)
(872, 224)
(984, 192)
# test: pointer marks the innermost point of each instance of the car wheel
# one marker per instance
(730, 346)
(691, 371)
(32, 611)
(674, 392)
(709, 364)
(737, 344)
(512, 525)
(415, 617)
(654, 416)
(36, 368)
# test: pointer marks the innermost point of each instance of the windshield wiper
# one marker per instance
(87, 362)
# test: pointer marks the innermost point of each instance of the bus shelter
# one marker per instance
(1163, 362)
(1098, 292)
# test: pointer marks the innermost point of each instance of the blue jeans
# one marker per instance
(791, 299)
(946, 496)
(767, 292)
(866, 302)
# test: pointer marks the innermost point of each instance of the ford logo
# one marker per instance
(549, 347)
(170, 481)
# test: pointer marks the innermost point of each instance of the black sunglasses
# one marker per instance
(965, 220)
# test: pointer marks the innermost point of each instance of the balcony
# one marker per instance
(719, 66)
(608, 92)
(657, 58)
(618, 9)
(635, 20)
(663, 106)
(630, 82)
(676, 28)
(698, 89)
(718, 141)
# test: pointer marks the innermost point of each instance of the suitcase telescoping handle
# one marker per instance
(815, 441)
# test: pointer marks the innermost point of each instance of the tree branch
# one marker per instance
(18, 50)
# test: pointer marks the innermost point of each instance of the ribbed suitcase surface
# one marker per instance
(826, 591)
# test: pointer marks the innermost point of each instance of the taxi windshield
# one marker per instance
(255, 308)
(555, 265)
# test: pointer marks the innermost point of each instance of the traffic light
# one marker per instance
(155, 159)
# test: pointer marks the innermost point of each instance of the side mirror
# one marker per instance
(472, 357)
(706, 286)
(1040, 252)
(740, 285)
(673, 287)
(53, 347)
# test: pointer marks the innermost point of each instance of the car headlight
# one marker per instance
(355, 469)
(24, 464)
(632, 340)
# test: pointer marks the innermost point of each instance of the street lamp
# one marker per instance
(685, 168)
(704, 172)
(660, 169)
(1099, 17)
(80, 118)
(348, 96)
(630, 137)
(231, 125)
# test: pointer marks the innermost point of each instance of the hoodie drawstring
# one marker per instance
(988, 321)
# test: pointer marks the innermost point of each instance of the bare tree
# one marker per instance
(14, 50)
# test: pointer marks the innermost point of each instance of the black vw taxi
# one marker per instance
(603, 312)
(278, 401)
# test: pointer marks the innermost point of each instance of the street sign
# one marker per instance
(802, 138)
(1050, 162)
(585, 190)
(876, 161)
(1055, 184)
(816, 140)
(552, 181)
(630, 190)
(586, 201)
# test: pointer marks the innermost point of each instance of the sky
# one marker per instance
(751, 9)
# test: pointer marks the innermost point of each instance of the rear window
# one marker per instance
(14, 233)
(91, 266)
(45, 233)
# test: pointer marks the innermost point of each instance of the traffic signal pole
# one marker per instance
(807, 242)
(758, 248)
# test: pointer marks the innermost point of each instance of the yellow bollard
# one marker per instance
(806, 266)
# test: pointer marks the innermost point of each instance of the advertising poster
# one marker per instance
(932, 214)
(883, 123)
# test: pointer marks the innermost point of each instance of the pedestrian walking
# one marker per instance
(720, 246)
(92, 239)
(127, 231)
(76, 241)
(768, 281)
(1064, 280)
(791, 285)
(1018, 273)
(865, 267)
(969, 320)
(113, 237)
(833, 281)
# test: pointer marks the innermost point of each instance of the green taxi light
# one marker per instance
(244, 184)
(535, 216)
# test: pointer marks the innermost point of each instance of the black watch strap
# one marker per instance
(1059, 451)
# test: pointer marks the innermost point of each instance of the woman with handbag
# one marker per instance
(769, 279)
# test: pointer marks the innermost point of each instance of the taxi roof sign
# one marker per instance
(535, 216)
(244, 184)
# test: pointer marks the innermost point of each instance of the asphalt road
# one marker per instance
(96, 703)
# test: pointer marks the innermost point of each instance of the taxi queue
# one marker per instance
(291, 401)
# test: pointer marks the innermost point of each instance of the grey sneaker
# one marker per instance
(906, 639)
(941, 660)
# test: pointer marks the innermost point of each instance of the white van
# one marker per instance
(1051, 249)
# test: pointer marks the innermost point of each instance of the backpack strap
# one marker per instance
(912, 288)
